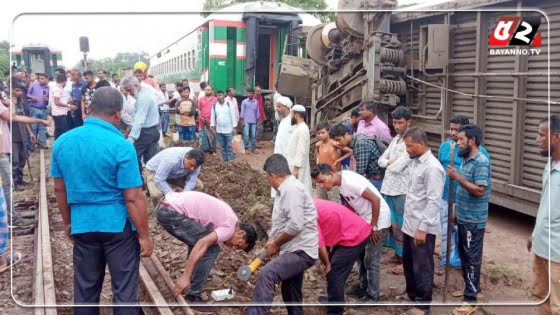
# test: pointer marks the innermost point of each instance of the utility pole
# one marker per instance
(84, 47)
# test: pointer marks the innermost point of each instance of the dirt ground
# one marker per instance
(506, 264)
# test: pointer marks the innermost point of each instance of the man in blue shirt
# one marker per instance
(76, 119)
(39, 96)
(99, 194)
(473, 196)
(144, 133)
(444, 158)
(173, 167)
(545, 239)
(249, 115)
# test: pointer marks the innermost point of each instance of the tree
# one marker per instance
(4, 57)
(116, 64)
(311, 5)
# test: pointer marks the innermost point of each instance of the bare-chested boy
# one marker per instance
(327, 151)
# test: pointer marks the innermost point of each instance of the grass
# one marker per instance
(508, 275)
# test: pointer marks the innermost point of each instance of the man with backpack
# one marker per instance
(223, 123)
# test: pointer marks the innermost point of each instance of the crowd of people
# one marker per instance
(372, 189)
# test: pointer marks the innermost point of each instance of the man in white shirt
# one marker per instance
(283, 109)
(297, 151)
(233, 101)
(362, 197)
(395, 161)
(201, 93)
(421, 219)
(60, 107)
(223, 124)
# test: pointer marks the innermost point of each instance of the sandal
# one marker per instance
(403, 297)
(465, 309)
(11, 260)
(397, 270)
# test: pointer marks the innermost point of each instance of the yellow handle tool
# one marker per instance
(245, 272)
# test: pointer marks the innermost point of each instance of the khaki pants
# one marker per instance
(540, 285)
(332, 195)
(176, 184)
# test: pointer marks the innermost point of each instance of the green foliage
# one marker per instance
(116, 64)
(4, 56)
(311, 5)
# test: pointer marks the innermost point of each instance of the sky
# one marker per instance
(108, 34)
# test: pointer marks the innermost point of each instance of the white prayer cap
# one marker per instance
(298, 108)
(275, 97)
(285, 101)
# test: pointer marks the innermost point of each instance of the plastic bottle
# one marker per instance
(225, 294)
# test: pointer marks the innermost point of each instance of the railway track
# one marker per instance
(155, 283)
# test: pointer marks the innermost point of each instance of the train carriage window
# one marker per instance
(193, 60)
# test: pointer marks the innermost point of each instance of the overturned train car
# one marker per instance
(439, 62)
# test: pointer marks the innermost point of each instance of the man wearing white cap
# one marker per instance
(283, 106)
(297, 152)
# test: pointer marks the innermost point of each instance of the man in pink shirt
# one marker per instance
(371, 125)
(346, 234)
(207, 140)
(202, 222)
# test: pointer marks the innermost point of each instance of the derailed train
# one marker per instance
(440, 62)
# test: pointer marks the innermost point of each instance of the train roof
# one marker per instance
(18, 49)
(235, 13)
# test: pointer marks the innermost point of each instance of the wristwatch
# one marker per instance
(374, 228)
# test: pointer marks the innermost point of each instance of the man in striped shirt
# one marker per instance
(473, 196)
(176, 166)
(144, 134)
(366, 152)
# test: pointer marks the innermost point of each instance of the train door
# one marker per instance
(231, 56)
(267, 59)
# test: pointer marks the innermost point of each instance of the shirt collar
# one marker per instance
(102, 123)
(475, 157)
(285, 184)
(369, 123)
(556, 168)
(424, 157)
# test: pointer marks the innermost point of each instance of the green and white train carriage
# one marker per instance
(238, 46)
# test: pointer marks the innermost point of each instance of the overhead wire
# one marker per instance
(482, 95)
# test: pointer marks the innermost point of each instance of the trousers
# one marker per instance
(288, 269)
(418, 263)
(92, 252)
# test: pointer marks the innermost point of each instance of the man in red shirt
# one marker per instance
(262, 116)
(346, 234)
(207, 140)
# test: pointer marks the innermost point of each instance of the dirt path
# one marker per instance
(506, 264)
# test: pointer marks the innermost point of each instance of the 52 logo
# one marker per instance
(516, 30)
